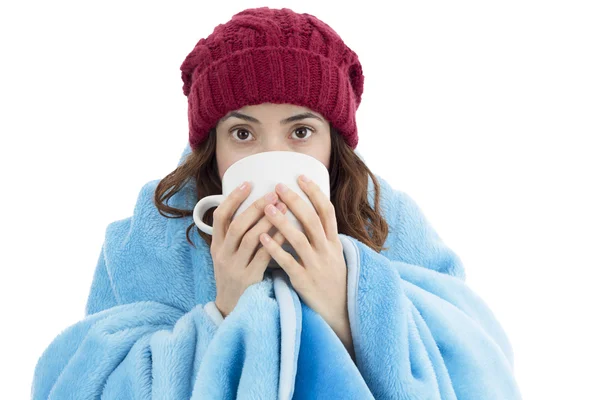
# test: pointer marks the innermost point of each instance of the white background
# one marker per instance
(486, 113)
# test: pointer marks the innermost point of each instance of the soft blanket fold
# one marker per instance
(151, 330)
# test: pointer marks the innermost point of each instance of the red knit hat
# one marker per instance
(277, 56)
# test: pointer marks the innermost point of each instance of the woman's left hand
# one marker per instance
(320, 276)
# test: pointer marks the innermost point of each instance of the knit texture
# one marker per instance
(277, 56)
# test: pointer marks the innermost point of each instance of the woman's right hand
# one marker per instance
(237, 264)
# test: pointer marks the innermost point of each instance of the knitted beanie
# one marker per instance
(276, 56)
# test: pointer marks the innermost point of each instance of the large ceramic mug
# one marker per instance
(265, 170)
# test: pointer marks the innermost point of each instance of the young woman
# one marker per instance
(376, 307)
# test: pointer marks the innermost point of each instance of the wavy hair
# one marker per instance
(348, 177)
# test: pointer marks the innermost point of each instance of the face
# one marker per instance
(269, 127)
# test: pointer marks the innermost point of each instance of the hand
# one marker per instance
(320, 276)
(236, 264)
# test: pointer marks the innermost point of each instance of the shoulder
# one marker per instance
(411, 235)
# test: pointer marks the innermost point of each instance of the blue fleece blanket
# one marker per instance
(151, 329)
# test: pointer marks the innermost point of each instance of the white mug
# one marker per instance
(265, 170)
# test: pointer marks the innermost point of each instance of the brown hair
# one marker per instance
(348, 177)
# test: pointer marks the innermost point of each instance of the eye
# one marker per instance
(301, 128)
(243, 135)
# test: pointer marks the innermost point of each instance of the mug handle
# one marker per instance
(202, 206)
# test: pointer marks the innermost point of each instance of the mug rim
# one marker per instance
(269, 153)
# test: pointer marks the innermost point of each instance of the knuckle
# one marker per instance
(305, 245)
(234, 228)
(218, 213)
(314, 220)
(214, 248)
(266, 222)
(247, 242)
(263, 255)
(218, 259)
(338, 246)
(279, 238)
(261, 224)
(330, 209)
(290, 259)
(259, 204)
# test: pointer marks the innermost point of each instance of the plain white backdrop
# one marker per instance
(486, 112)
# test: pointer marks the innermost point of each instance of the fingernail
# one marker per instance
(282, 188)
(243, 186)
(270, 196)
(271, 209)
(304, 178)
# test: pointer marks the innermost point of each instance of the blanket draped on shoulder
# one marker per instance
(151, 329)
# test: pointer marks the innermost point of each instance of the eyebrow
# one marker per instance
(284, 121)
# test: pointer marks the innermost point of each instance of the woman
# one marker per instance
(176, 315)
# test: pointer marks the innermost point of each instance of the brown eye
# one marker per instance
(240, 137)
(305, 131)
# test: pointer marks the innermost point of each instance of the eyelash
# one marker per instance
(298, 127)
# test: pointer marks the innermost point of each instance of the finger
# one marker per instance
(224, 212)
(242, 222)
(250, 241)
(323, 206)
(295, 271)
(304, 213)
(295, 236)
(257, 267)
